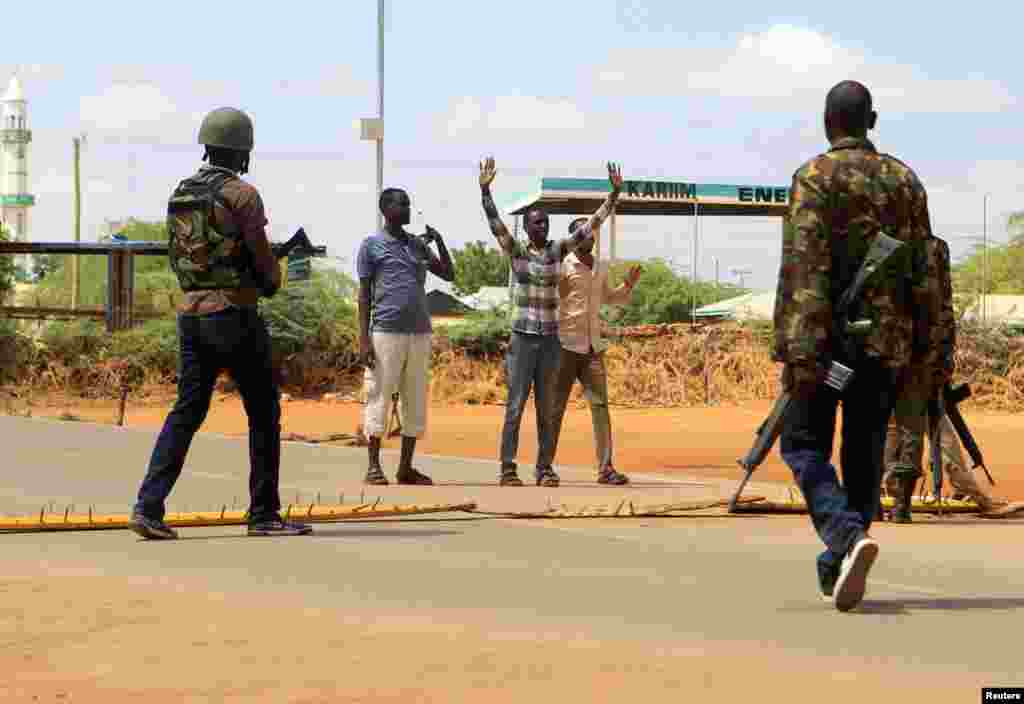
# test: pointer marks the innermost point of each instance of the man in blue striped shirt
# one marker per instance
(534, 349)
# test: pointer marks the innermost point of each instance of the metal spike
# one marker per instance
(42, 513)
(318, 497)
(90, 514)
(341, 498)
(362, 497)
(288, 513)
(67, 510)
(223, 509)
(310, 512)
(375, 503)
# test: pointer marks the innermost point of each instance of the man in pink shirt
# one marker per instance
(582, 289)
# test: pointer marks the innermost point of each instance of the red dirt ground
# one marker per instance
(697, 441)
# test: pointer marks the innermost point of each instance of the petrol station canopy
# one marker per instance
(582, 196)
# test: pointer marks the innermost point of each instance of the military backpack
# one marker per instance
(203, 254)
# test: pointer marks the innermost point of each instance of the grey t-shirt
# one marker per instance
(397, 271)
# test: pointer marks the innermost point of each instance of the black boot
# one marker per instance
(903, 499)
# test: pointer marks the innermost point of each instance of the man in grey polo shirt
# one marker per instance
(395, 329)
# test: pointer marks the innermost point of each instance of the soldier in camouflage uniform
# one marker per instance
(838, 202)
(220, 253)
(904, 448)
(904, 445)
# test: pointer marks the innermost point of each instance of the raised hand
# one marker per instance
(487, 172)
(634, 275)
(615, 176)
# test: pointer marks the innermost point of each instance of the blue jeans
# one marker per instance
(841, 514)
(237, 340)
(531, 362)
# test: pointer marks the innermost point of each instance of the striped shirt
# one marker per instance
(537, 271)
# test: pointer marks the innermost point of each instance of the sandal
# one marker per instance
(375, 476)
(610, 476)
(547, 477)
(510, 478)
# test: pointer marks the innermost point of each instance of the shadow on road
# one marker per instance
(906, 606)
(332, 532)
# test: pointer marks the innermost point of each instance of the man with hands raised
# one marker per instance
(534, 348)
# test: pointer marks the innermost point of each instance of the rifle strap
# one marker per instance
(868, 264)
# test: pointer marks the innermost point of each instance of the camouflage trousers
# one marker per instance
(904, 446)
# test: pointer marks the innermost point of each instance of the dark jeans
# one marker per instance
(235, 340)
(840, 514)
(531, 361)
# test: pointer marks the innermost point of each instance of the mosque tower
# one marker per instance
(15, 200)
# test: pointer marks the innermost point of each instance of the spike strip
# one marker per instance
(918, 504)
(219, 517)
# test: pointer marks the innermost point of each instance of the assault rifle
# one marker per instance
(298, 249)
(936, 409)
(298, 244)
(953, 395)
(839, 375)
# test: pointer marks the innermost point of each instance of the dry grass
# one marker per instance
(648, 366)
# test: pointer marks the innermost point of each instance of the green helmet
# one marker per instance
(228, 128)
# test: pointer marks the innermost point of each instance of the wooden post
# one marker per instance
(120, 291)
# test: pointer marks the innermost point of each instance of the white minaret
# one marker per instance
(15, 199)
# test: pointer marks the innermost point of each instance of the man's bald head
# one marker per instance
(848, 110)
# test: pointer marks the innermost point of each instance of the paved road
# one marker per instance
(706, 607)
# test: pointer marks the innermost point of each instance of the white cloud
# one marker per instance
(466, 115)
(354, 188)
(790, 68)
(32, 76)
(513, 114)
(135, 110)
(524, 112)
(96, 186)
(332, 80)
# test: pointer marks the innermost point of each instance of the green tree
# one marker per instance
(661, 296)
(8, 270)
(155, 284)
(1001, 272)
(476, 266)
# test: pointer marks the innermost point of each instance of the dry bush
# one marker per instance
(648, 366)
(460, 377)
(682, 367)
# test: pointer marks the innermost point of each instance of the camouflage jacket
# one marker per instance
(838, 201)
(934, 368)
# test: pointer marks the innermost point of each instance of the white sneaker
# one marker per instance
(853, 575)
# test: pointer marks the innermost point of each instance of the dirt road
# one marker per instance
(696, 441)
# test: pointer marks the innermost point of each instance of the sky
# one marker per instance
(708, 93)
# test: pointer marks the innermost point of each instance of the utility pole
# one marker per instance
(380, 108)
(984, 260)
(77, 143)
(371, 129)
